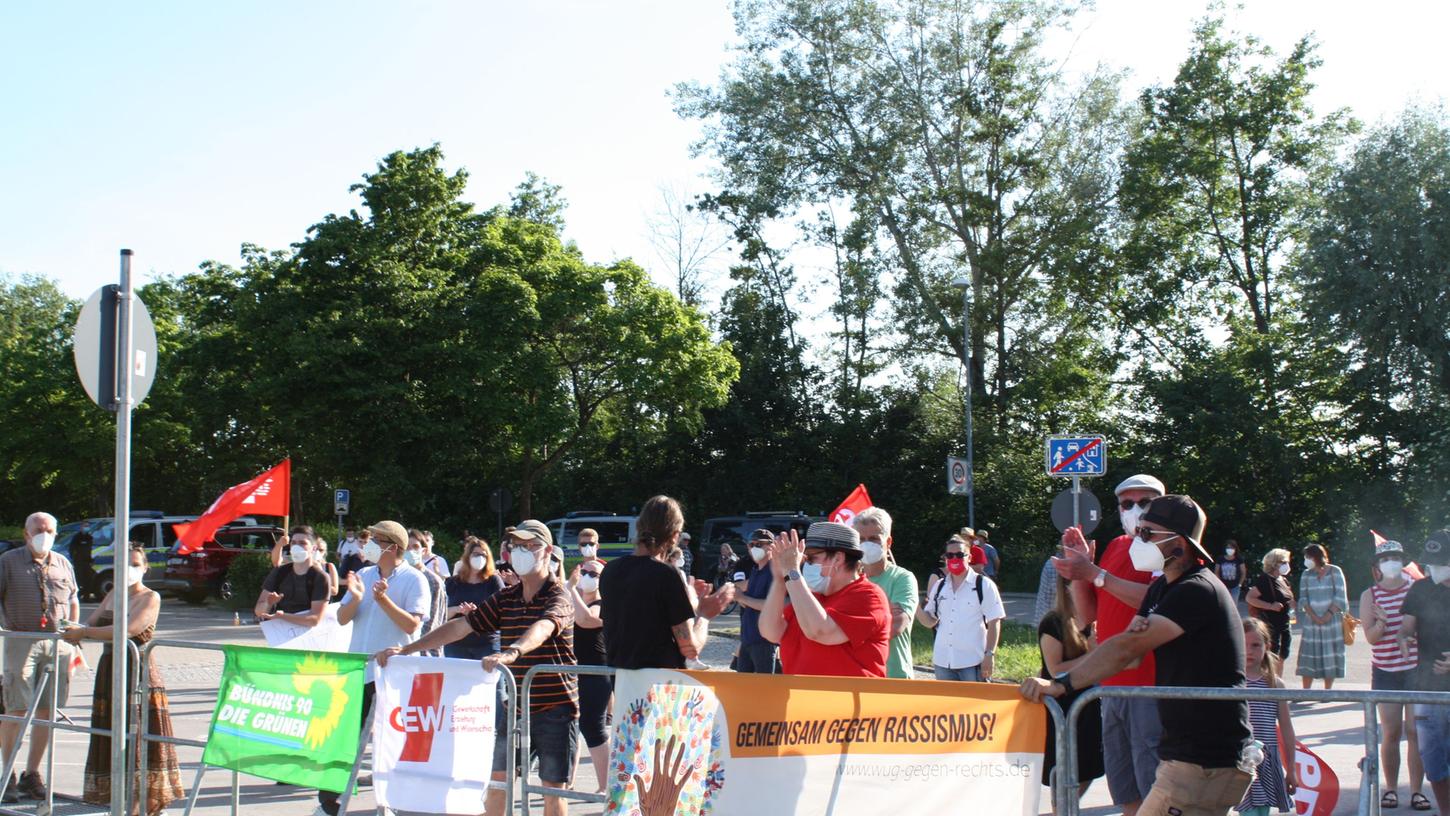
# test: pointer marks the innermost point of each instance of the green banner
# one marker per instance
(287, 715)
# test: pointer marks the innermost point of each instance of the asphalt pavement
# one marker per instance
(1332, 730)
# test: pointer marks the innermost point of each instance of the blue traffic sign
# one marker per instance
(1077, 456)
(341, 501)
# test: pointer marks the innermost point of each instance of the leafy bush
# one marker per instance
(246, 574)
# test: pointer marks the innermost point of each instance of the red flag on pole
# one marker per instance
(1411, 568)
(266, 495)
(856, 502)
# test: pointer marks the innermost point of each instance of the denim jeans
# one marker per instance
(971, 674)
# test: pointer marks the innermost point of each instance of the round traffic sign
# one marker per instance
(959, 473)
(95, 349)
(1090, 511)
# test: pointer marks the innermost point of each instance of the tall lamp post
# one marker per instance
(965, 284)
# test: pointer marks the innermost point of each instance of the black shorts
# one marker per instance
(1381, 680)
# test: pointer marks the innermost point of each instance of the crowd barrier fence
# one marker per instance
(1368, 802)
(46, 689)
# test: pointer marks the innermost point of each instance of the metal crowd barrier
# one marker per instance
(1059, 792)
(1369, 780)
(45, 686)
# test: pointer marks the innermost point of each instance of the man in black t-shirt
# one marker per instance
(298, 591)
(1427, 619)
(1191, 624)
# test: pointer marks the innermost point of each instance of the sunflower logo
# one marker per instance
(316, 669)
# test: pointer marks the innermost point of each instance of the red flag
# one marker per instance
(856, 502)
(1411, 568)
(1318, 790)
(266, 495)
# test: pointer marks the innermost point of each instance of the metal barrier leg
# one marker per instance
(195, 789)
(236, 794)
(25, 727)
(362, 743)
(50, 732)
(1369, 783)
(143, 692)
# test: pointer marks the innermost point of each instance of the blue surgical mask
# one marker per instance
(413, 557)
(815, 581)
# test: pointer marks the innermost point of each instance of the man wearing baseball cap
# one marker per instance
(838, 623)
(1427, 619)
(752, 586)
(1109, 593)
(1191, 624)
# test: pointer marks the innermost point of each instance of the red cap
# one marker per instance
(977, 556)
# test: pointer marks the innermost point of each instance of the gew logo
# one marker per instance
(421, 718)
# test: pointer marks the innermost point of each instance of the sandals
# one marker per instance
(1419, 801)
(1389, 800)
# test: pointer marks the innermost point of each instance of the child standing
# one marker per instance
(1274, 782)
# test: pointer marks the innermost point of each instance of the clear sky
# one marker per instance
(183, 129)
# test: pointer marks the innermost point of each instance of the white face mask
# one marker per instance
(1228, 551)
(134, 576)
(1392, 570)
(1309, 565)
(758, 553)
(1146, 556)
(678, 563)
(1130, 518)
(372, 552)
(40, 543)
(413, 557)
(1284, 569)
(815, 580)
(588, 583)
(476, 562)
(872, 552)
(1439, 574)
(588, 550)
(299, 554)
(523, 561)
(351, 537)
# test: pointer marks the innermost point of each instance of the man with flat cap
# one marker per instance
(1191, 624)
(838, 623)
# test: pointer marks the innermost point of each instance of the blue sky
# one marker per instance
(181, 130)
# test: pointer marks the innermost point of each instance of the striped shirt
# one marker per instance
(1385, 655)
(35, 595)
(510, 614)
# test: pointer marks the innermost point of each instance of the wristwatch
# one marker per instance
(1064, 679)
(1101, 578)
(793, 575)
(989, 652)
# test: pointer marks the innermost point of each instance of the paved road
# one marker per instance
(192, 676)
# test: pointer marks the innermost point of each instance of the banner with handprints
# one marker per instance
(694, 743)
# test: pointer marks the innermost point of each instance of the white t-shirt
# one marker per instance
(372, 629)
(961, 631)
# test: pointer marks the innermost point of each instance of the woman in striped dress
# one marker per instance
(1322, 602)
(1274, 781)
(1379, 611)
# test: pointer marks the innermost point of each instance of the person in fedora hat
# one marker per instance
(1191, 624)
(1427, 619)
(838, 623)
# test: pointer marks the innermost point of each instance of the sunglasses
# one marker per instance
(956, 556)
(1127, 504)
(590, 573)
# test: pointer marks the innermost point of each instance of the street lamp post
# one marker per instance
(965, 284)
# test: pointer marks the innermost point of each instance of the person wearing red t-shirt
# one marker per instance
(1110, 592)
(838, 623)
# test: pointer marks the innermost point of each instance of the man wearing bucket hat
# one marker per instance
(1427, 619)
(838, 623)
(1191, 624)
(1109, 593)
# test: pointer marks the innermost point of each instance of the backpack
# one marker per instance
(936, 599)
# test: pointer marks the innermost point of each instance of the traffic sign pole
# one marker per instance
(121, 539)
(1076, 501)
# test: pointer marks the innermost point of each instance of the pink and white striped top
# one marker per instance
(1385, 655)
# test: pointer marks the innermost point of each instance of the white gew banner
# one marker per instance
(327, 636)
(433, 733)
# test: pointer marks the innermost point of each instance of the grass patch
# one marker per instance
(1017, 654)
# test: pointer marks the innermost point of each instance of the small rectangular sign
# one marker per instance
(341, 500)
(959, 476)
(1077, 456)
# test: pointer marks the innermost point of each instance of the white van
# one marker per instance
(616, 532)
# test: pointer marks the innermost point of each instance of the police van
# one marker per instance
(616, 532)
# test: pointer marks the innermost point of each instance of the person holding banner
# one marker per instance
(386, 604)
(162, 784)
(838, 623)
(296, 592)
(1206, 757)
(536, 619)
(1427, 619)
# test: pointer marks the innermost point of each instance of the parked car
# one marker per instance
(153, 528)
(616, 532)
(203, 572)
(734, 531)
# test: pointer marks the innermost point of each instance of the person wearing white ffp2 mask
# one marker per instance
(1427, 621)
(1323, 602)
(874, 525)
(296, 591)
